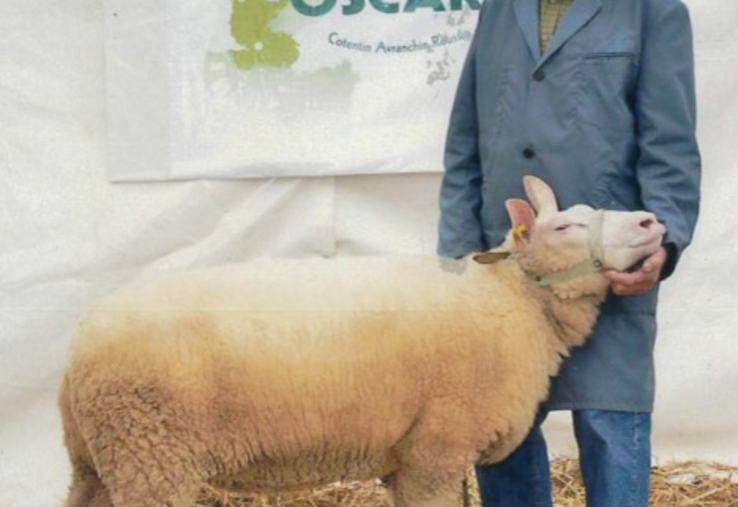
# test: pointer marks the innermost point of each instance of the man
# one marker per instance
(596, 97)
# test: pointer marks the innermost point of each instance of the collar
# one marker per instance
(594, 264)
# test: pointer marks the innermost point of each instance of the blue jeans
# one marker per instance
(614, 456)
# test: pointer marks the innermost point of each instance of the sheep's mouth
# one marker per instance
(648, 247)
(637, 265)
(649, 243)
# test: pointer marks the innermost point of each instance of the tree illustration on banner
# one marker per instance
(251, 29)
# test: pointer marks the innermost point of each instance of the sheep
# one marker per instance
(281, 375)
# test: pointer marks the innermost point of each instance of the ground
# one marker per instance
(681, 484)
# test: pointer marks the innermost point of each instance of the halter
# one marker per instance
(594, 264)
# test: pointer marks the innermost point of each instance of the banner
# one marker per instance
(262, 88)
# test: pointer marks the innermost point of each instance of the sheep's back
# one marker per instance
(288, 300)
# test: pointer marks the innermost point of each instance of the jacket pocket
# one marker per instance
(611, 55)
(606, 91)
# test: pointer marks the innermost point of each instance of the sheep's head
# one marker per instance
(573, 246)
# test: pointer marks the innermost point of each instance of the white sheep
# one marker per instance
(292, 374)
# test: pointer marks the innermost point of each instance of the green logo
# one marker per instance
(250, 28)
(262, 46)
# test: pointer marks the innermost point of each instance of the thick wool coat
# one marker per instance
(356, 370)
(607, 117)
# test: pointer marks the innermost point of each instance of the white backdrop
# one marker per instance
(68, 236)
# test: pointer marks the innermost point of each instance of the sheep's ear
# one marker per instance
(523, 220)
(540, 195)
(522, 217)
(492, 256)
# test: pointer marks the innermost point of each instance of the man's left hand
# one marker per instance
(639, 282)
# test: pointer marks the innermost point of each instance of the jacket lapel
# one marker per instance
(526, 13)
(578, 15)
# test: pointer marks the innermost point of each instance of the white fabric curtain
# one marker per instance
(68, 236)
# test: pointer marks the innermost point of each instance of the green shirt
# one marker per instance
(551, 13)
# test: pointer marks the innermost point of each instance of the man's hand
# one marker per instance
(639, 282)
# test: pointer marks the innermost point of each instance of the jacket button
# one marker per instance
(539, 75)
(529, 153)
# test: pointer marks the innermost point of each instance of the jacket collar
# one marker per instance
(526, 13)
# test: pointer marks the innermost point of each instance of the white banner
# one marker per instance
(255, 88)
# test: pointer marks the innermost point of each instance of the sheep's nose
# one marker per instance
(647, 222)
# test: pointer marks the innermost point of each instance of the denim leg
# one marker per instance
(615, 456)
(523, 479)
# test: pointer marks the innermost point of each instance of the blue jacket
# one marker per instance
(606, 116)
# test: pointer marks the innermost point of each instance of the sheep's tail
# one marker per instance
(86, 490)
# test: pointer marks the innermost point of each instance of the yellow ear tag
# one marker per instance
(519, 234)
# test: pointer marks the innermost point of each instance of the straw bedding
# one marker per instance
(692, 484)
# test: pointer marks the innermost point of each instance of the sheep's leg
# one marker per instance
(145, 475)
(423, 488)
(145, 494)
(144, 448)
(434, 460)
(88, 492)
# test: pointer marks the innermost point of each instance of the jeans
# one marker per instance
(614, 456)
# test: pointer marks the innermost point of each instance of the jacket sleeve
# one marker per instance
(669, 165)
(460, 230)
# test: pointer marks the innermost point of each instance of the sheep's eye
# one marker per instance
(564, 227)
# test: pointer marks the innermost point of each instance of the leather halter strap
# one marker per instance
(594, 264)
